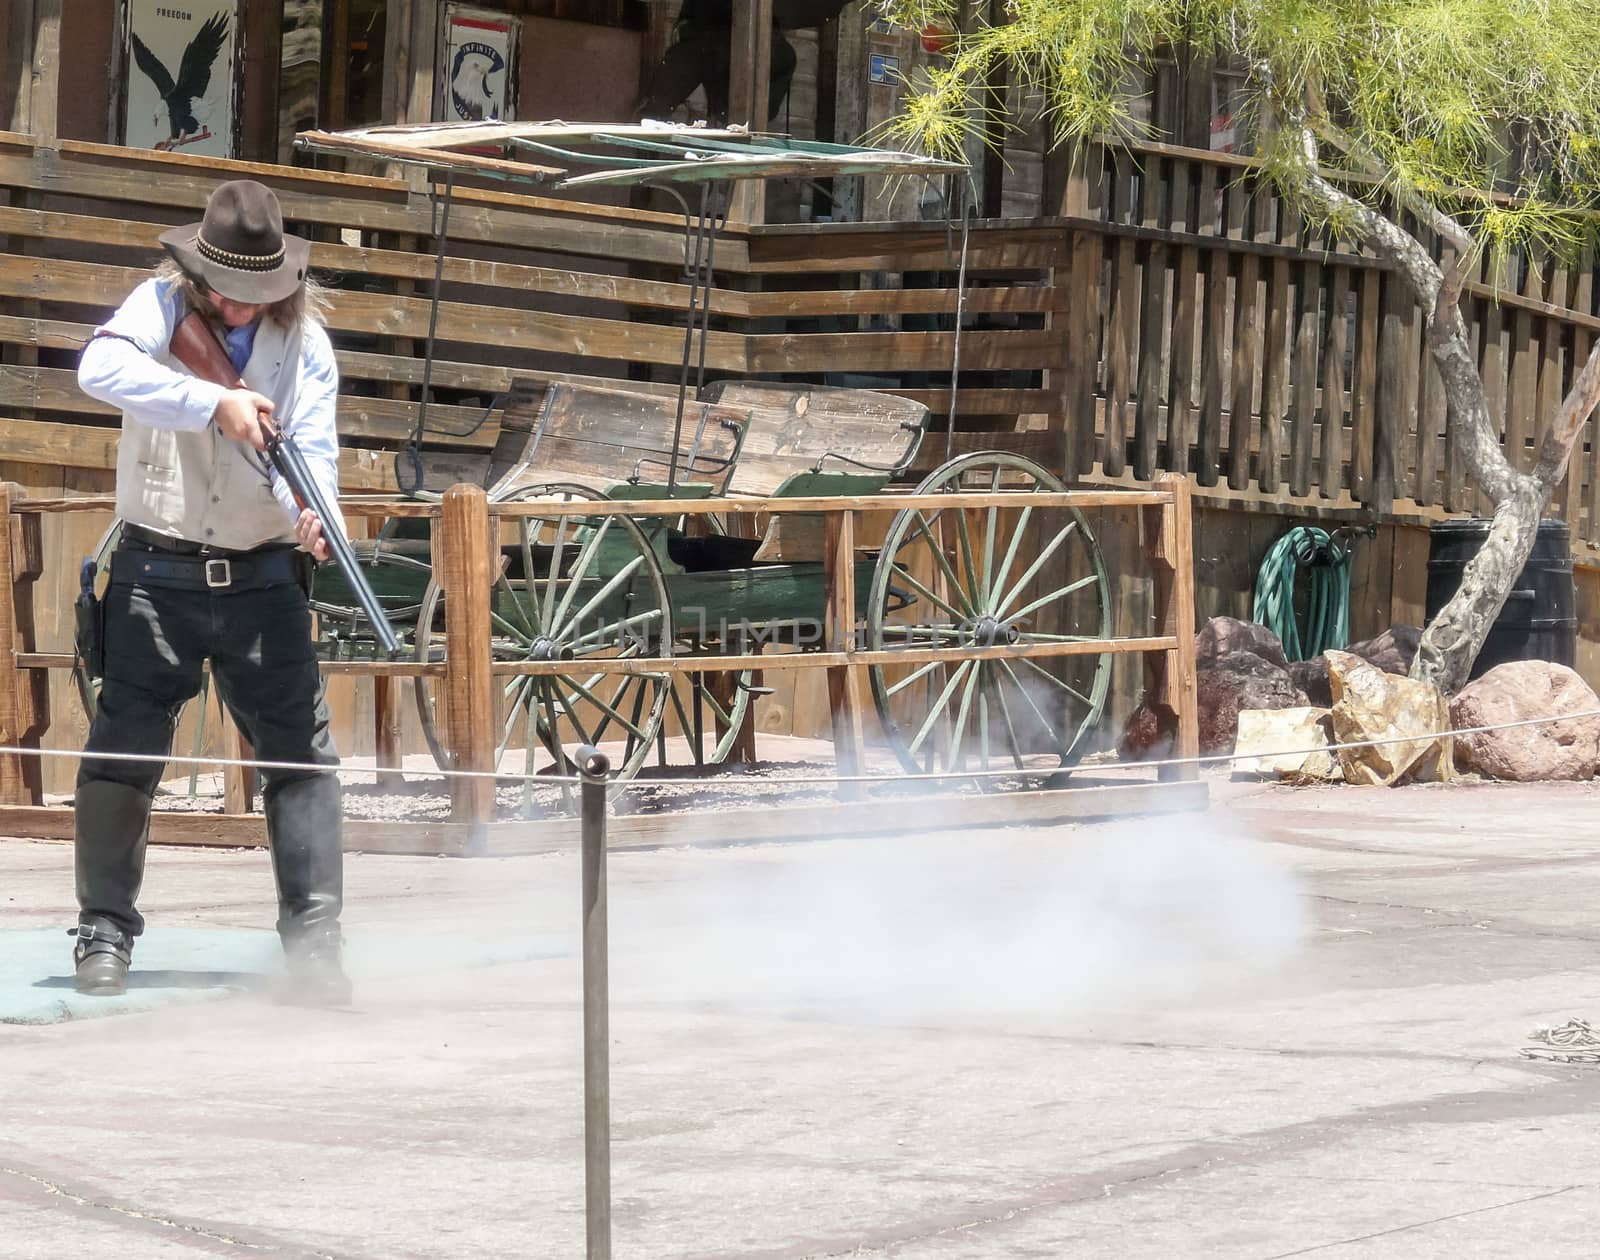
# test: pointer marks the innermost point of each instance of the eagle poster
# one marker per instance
(478, 54)
(180, 76)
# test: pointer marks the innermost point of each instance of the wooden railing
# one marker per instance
(463, 525)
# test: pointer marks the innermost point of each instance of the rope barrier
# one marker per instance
(650, 782)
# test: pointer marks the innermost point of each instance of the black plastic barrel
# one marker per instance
(1538, 621)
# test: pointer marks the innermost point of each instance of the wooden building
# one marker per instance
(1133, 313)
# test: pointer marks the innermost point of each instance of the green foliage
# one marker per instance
(1486, 109)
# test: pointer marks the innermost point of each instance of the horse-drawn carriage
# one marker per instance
(574, 589)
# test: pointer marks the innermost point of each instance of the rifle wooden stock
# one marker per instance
(196, 347)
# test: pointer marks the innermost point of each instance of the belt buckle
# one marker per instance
(219, 573)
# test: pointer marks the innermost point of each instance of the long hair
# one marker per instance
(309, 302)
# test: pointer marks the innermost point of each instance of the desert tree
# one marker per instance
(1432, 131)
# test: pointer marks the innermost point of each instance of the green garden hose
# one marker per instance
(1326, 560)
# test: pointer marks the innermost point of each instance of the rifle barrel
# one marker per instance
(291, 465)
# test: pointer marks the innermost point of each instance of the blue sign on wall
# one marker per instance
(882, 69)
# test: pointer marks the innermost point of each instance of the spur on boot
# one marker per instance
(101, 956)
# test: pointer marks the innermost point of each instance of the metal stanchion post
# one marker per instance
(593, 766)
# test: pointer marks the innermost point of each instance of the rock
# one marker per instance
(1514, 692)
(1238, 680)
(1282, 731)
(1223, 635)
(1392, 651)
(1369, 703)
(1151, 732)
(1312, 678)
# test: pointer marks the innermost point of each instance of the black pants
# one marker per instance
(259, 645)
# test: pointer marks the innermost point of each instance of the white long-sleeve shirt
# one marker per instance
(176, 473)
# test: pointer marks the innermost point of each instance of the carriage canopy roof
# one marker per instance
(576, 155)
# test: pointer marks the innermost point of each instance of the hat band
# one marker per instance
(239, 262)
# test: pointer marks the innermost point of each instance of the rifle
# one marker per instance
(196, 347)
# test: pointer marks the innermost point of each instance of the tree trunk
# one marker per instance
(1456, 635)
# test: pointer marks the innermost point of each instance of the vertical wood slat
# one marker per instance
(1122, 330)
(1154, 317)
(1363, 389)
(1185, 285)
(1494, 361)
(1247, 346)
(1303, 394)
(1522, 389)
(1457, 491)
(1331, 476)
(1584, 296)
(463, 554)
(1278, 353)
(1430, 425)
(839, 631)
(1395, 368)
(1214, 307)
(1082, 352)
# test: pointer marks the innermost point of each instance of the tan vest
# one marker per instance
(200, 485)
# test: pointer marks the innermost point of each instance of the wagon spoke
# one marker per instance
(943, 702)
(998, 582)
(927, 594)
(895, 688)
(1039, 562)
(977, 590)
(1061, 592)
(523, 639)
(554, 577)
(943, 561)
(612, 714)
(598, 598)
(525, 615)
(1005, 716)
(1062, 684)
(1037, 713)
(963, 711)
(578, 567)
(990, 527)
(598, 637)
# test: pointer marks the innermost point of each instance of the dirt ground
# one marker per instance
(1288, 1026)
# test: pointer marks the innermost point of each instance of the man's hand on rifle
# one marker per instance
(236, 416)
(308, 529)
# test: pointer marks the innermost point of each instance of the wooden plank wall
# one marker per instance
(1174, 318)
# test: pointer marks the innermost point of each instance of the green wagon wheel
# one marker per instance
(575, 589)
(717, 714)
(981, 577)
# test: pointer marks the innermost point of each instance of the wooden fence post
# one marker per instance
(469, 710)
(1170, 675)
(388, 734)
(839, 635)
(24, 693)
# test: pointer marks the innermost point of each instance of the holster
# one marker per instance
(89, 618)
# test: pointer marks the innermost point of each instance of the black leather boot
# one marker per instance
(101, 956)
(316, 966)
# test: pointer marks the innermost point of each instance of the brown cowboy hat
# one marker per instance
(239, 249)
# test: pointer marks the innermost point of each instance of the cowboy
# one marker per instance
(214, 564)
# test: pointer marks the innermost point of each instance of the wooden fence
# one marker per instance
(463, 526)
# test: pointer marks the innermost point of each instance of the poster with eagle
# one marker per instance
(180, 76)
(477, 74)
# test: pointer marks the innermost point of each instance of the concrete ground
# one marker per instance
(1287, 1027)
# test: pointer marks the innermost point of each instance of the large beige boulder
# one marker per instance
(1369, 704)
(1516, 691)
(1291, 744)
